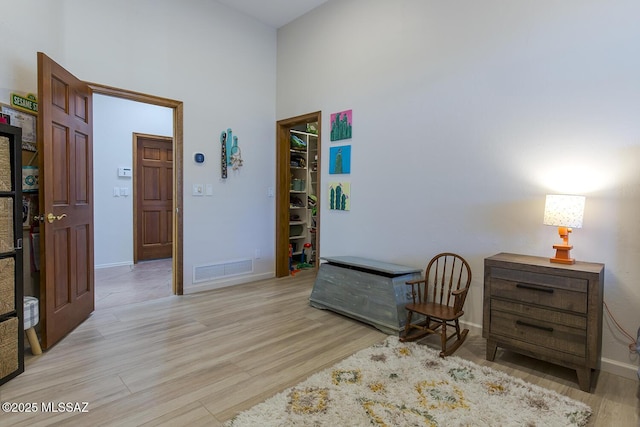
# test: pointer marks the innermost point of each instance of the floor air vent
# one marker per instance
(203, 273)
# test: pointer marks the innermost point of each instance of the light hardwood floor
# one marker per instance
(199, 359)
(117, 286)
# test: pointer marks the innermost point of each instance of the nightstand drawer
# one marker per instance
(564, 293)
(532, 312)
(563, 282)
(553, 336)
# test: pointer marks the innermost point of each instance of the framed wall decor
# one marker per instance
(341, 125)
(340, 159)
(27, 122)
(340, 196)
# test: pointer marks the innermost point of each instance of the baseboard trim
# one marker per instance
(237, 280)
(114, 264)
(617, 368)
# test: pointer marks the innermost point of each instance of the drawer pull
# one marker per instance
(534, 288)
(544, 328)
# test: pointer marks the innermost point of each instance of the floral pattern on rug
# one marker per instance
(308, 401)
(408, 384)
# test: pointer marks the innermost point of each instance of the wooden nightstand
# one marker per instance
(552, 312)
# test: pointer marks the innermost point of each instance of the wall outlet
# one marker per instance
(257, 254)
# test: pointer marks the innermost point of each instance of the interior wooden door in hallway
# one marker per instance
(153, 201)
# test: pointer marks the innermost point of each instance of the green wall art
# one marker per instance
(340, 196)
(341, 125)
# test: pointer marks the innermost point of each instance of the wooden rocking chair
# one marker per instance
(439, 298)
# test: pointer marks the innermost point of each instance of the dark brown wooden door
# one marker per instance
(153, 197)
(65, 148)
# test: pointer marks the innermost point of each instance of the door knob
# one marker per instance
(51, 217)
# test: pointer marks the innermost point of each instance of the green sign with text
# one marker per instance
(28, 103)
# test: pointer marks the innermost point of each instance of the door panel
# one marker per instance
(154, 197)
(66, 185)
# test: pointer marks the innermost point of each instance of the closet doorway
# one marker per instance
(298, 166)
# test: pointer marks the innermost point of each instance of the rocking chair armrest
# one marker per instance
(459, 295)
(414, 282)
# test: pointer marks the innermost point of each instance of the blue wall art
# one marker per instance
(340, 159)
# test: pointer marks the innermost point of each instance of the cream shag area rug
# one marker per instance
(408, 384)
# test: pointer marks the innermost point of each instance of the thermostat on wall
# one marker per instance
(198, 157)
(124, 172)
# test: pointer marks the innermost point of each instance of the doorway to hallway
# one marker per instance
(177, 176)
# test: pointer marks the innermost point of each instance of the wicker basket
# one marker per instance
(7, 286)
(8, 346)
(6, 224)
(5, 164)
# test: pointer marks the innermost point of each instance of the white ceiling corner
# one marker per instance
(275, 13)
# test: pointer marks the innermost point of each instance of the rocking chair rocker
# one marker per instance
(438, 299)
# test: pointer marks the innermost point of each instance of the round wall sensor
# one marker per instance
(198, 157)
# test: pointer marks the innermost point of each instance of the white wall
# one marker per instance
(114, 122)
(220, 63)
(465, 116)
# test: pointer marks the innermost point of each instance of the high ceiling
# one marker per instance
(274, 13)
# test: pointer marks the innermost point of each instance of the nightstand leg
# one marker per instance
(584, 379)
(492, 346)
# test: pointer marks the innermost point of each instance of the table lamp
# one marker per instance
(565, 212)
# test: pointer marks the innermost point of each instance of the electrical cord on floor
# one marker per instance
(633, 346)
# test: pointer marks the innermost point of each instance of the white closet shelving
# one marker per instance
(303, 195)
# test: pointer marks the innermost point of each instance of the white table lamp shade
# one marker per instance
(564, 211)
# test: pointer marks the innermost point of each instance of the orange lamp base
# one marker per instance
(563, 255)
